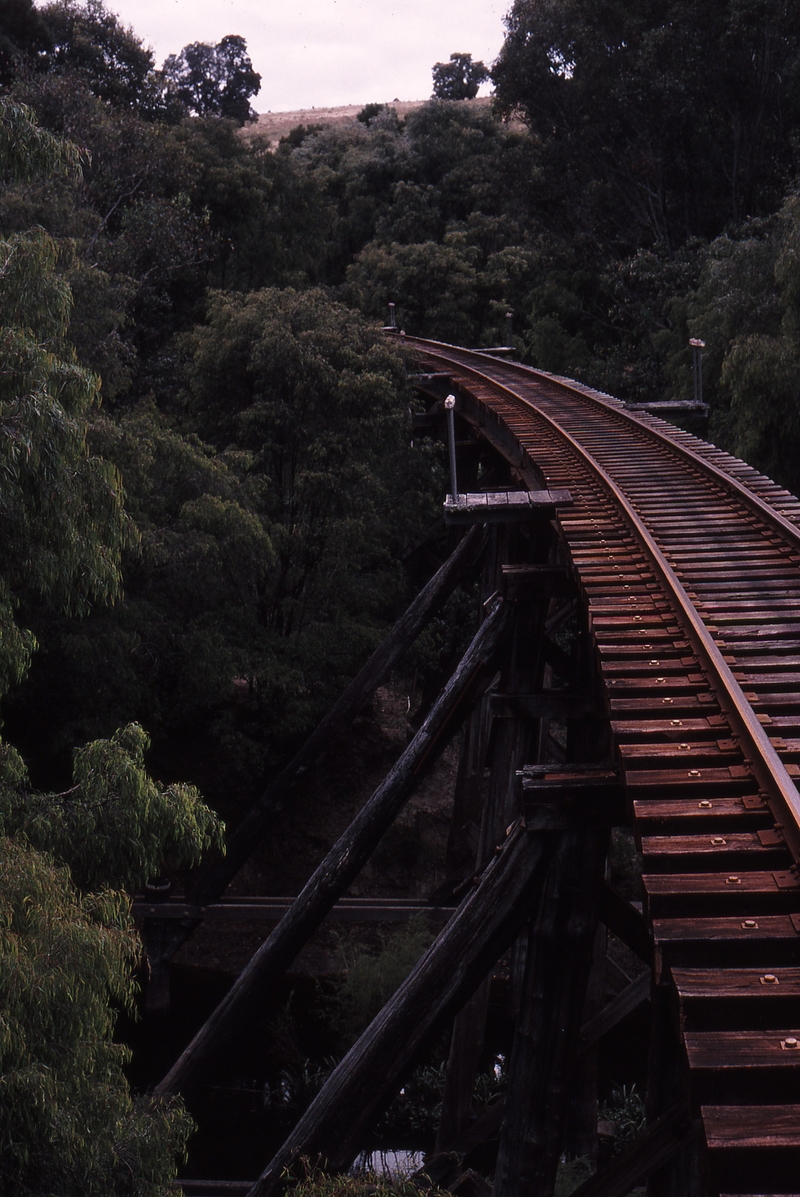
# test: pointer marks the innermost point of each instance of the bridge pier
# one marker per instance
(507, 744)
(545, 1052)
(552, 959)
(684, 1173)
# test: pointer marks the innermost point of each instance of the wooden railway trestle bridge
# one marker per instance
(637, 663)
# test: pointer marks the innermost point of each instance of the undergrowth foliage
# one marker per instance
(317, 1183)
(625, 1108)
(371, 977)
(69, 1126)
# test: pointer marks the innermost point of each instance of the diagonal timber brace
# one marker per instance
(214, 878)
(483, 927)
(348, 855)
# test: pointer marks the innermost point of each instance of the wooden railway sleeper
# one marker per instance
(734, 901)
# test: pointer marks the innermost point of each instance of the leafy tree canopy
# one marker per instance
(90, 40)
(62, 523)
(313, 400)
(23, 34)
(458, 79)
(369, 112)
(746, 307)
(665, 120)
(214, 80)
(115, 825)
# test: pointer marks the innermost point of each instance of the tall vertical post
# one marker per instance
(542, 1066)
(449, 404)
(683, 1175)
(513, 739)
(581, 1125)
(509, 328)
(392, 321)
(697, 368)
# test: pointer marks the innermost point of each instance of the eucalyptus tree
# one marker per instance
(214, 80)
(657, 121)
(458, 79)
(62, 524)
(69, 1126)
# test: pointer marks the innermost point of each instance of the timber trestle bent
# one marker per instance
(689, 566)
(637, 664)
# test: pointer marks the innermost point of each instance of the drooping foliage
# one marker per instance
(115, 824)
(69, 1126)
(62, 524)
(68, 1122)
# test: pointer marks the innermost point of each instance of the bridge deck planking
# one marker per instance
(744, 582)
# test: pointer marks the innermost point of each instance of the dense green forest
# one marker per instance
(207, 474)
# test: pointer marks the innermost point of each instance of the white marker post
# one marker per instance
(449, 404)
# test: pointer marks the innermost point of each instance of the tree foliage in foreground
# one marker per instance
(69, 1126)
(115, 825)
(62, 521)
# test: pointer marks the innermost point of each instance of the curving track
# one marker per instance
(689, 561)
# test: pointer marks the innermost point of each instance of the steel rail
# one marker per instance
(616, 408)
(768, 769)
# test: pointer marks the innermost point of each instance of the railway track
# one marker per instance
(689, 564)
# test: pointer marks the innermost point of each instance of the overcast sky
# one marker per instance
(322, 53)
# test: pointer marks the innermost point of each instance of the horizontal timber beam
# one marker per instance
(247, 909)
(503, 507)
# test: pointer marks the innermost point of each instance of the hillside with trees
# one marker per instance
(208, 475)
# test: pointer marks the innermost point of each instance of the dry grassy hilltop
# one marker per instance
(276, 125)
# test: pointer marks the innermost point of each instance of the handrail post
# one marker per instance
(697, 368)
(450, 403)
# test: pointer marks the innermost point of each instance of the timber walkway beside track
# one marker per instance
(638, 665)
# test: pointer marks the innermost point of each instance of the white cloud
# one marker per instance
(322, 53)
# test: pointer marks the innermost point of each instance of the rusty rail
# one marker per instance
(689, 563)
